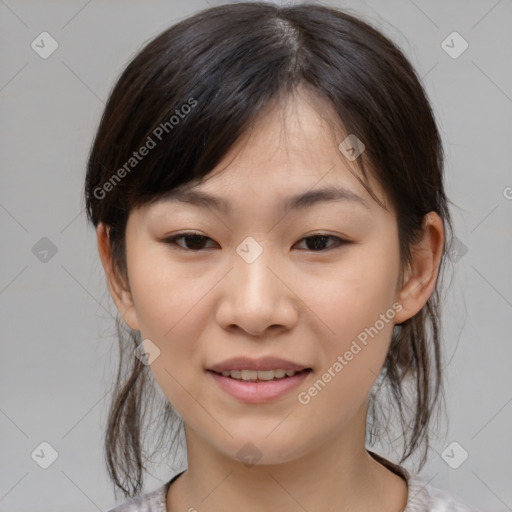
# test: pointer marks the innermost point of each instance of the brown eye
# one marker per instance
(194, 242)
(316, 243)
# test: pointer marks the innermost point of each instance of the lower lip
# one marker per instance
(256, 392)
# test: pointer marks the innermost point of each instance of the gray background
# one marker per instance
(58, 350)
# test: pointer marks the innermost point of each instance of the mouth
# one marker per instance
(260, 375)
(257, 387)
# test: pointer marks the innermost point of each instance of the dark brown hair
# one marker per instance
(196, 88)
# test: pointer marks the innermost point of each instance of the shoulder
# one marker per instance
(424, 497)
(153, 501)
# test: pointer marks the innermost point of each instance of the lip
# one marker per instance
(264, 363)
(259, 391)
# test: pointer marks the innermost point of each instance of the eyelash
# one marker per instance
(172, 241)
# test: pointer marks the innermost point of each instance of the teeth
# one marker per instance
(258, 375)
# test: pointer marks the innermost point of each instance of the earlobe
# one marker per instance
(422, 273)
(119, 290)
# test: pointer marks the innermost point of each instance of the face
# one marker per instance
(315, 285)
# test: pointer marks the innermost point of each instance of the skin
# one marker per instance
(302, 304)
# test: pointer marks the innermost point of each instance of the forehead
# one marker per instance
(294, 137)
(289, 159)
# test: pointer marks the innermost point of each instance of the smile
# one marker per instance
(253, 386)
(253, 375)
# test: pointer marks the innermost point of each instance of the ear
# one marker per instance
(120, 292)
(421, 275)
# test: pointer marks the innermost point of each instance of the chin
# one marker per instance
(259, 450)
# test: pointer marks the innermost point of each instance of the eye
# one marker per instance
(194, 239)
(319, 240)
(194, 242)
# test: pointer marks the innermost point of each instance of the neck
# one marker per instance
(338, 475)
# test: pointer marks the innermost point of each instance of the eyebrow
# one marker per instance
(297, 202)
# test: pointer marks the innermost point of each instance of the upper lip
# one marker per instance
(264, 363)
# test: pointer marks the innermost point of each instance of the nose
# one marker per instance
(256, 298)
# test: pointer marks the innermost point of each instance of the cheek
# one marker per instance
(354, 305)
(171, 310)
(164, 297)
(352, 357)
(172, 315)
(352, 294)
